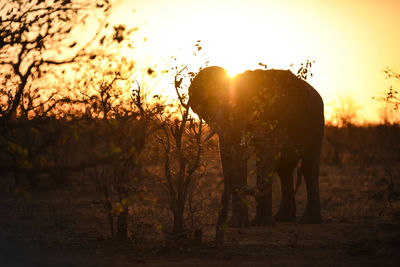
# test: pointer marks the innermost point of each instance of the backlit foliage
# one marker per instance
(35, 35)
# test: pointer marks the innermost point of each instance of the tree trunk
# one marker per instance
(122, 224)
(178, 220)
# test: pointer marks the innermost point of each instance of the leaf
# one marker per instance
(42, 161)
(114, 149)
(102, 39)
(76, 136)
(263, 65)
(150, 71)
(119, 207)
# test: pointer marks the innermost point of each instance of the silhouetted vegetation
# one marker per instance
(86, 148)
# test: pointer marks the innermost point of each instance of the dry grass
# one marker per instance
(66, 223)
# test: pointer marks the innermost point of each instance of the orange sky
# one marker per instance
(351, 41)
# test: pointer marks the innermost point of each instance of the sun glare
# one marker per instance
(232, 72)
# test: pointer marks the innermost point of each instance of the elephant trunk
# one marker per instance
(215, 124)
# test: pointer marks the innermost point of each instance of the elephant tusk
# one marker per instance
(243, 140)
(209, 135)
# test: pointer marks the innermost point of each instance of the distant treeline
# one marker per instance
(369, 144)
(48, 145)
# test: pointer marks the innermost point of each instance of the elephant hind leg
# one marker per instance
(287, 209)
(312, 213)
(264, 204)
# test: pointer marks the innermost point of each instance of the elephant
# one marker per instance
(280, 118)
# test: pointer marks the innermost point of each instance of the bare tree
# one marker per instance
(344, 111)
(181, 142)
(389, 111)
(108, 98)
(392, 96)
(388, 114)
(35, 34)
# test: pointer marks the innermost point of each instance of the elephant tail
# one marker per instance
(300, 175)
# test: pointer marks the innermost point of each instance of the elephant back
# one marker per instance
(279, 100)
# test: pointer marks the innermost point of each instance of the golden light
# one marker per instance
(233, 70)
(351, 42)
(232, 73)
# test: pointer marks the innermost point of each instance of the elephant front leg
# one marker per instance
(223, 214)
(264, 203)
(234, 168)
(263, 195)
(239, 216)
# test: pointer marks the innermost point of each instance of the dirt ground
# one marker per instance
(329, 244)
(64, 227)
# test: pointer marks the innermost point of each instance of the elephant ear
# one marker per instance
(209, 94)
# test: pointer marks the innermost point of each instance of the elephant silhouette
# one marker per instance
(278, 116)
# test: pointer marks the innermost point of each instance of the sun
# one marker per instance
(232, 71)
(233, 67)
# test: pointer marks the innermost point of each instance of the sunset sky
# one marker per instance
(352, 42)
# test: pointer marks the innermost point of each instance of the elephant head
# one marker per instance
(208, 95)
(212, 95)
